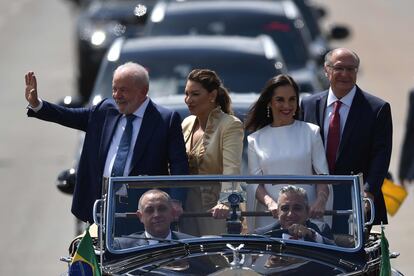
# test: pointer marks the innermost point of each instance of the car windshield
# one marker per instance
(286, 33)
(128, 209)
(168, 71)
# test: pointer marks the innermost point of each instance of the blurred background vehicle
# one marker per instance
(312, 14)
(281, 20)
(101, 21)
(243, 63)
(98, 24)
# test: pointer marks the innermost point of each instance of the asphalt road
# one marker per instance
(36, 224)
(37, 35)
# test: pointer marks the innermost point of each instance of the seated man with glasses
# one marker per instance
(293, 219)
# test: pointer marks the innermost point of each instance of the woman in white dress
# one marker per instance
(280, 144)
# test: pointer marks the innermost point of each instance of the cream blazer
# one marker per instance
(222, 143)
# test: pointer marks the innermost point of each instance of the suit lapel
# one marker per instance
(108, 131)
(352, 120)
(148, 125)
(187, 133)
(321, 107)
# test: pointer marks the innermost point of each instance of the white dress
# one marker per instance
(294, 149)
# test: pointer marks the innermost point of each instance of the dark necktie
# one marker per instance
(334, 134)
(123, 149)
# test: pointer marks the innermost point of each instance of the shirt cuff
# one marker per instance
(37, 108)
(318, 237)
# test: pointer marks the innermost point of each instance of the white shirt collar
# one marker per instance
(149, 236)
(141, 109)
(347, 99)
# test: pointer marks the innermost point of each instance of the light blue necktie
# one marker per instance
(123, 149)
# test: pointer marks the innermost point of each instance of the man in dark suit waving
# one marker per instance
(146, 138)
(356, 128)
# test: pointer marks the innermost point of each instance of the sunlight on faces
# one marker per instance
(199, 101)
(156, 213)
(292, 210)
(283, 105)
(127, 92)
(342, 72)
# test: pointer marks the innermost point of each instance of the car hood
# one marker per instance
(232, 256)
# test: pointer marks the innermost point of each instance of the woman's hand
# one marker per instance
(272, 206)
(220, 211)
(263, 197)
(317, 209)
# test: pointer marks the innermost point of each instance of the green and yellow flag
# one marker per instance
(84, 262)
(385, 256)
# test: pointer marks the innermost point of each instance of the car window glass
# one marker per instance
(286, 33)
(124, 229)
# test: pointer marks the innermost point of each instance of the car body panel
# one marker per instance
(230, 254)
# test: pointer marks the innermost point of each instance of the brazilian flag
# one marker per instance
(84, 262)
(385, 255)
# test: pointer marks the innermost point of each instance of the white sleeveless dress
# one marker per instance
(294, 149)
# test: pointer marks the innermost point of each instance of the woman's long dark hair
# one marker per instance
(257, 116)
(210, 81)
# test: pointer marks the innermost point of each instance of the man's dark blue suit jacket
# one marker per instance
(159, 150)
(365, 145)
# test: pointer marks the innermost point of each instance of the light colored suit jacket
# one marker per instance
(222, 143)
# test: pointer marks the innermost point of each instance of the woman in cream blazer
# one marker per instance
(214, 145)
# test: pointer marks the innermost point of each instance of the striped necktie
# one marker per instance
(123, 149)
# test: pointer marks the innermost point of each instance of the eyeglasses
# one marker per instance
(342, 69)
(293, 208)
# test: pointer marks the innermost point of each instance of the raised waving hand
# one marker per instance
(31, 89)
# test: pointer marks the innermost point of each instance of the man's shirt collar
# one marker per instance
(347, 99)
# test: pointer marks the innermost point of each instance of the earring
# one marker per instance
(268, 112)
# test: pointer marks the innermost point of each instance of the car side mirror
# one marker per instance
(371, 214)
(339, 32)
(66, 181)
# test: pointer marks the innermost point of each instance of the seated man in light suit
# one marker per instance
(156, 212)
(293, 217)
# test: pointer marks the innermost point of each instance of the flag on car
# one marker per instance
(84, 261)
(385, 256)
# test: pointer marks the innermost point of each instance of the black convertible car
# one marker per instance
(235, 251)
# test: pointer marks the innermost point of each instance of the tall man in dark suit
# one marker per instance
(156, 213)
(356, 128)
(155, 145)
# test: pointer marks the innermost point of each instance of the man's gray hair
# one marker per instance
(137, 71)
(155, 192)
(328, 56)
(295, 190)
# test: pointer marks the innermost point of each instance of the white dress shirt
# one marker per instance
(343, 111)
(149, 236)
(116, 139)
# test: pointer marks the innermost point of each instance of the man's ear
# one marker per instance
(139, 215)
(325, 68)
